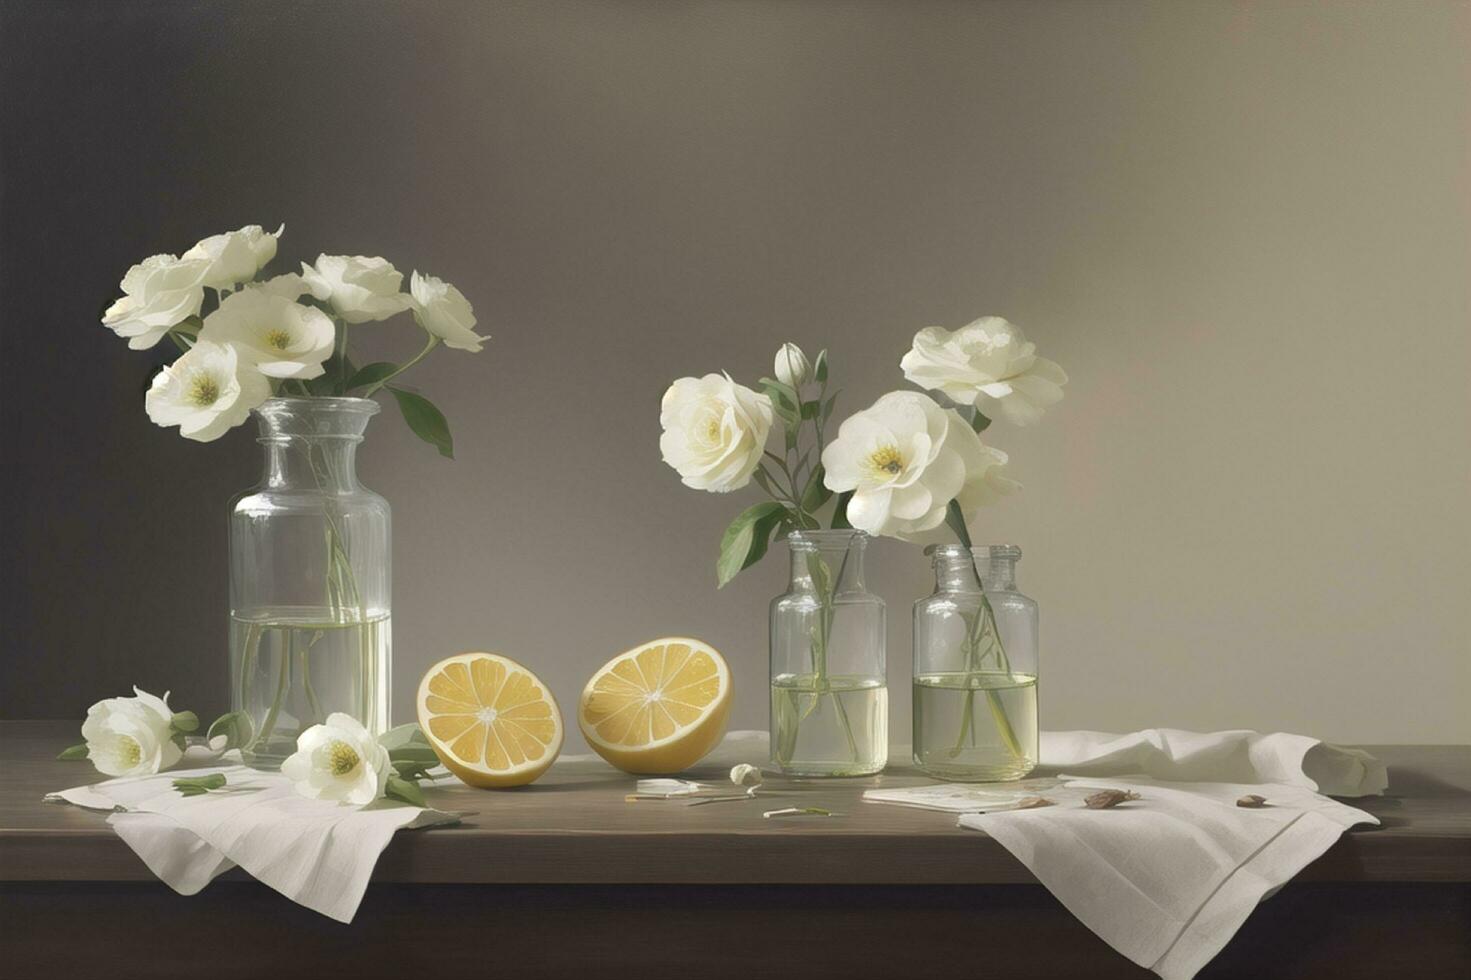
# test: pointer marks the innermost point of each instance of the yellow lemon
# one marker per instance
(490, 720)
(658, 708)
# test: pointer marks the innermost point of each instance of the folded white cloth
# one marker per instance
(315, 852)
(1168, 879)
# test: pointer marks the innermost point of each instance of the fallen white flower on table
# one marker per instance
(235, 256)
(282, 338)
(160, 292)
(206, 392)
(131, 736)
(359, 288)
(340, 761)
(988, 364)
(444, 311)
(714, 431)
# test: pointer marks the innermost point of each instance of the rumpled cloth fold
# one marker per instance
(315, 852)
(1168, 879)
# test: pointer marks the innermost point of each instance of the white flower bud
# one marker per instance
(792, 367)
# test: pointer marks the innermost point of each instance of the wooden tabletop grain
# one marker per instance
(574, 826)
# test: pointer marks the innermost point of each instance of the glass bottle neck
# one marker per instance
(956, 569)
(325, 464)
(827, 561)
(311, 443)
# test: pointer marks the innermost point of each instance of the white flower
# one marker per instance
(988, 364)
(714, 431)
(444, 311)
(338, 761)
(905, 458)
(792, 367)
(358, 288)
(207, 391)
(131, 736)
(236, 256)
(282, 338)
(158, 293)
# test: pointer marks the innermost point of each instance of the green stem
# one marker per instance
(269, 725)
(983, 627)
(342, 376)
(433, 342)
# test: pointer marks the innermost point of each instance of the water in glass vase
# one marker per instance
(978, 726)
(293, 667)
(834, 727)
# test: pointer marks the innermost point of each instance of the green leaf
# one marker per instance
(196, 785)
(370, 374)
(74, 753)
(816, 493)
(827, 406)
(184, 721)
(401, 736)
(236, 727)
(334, 370)
(784, 402)
(956, 519)
(403, 789)
(764, 482)
(819, 367)
(822, 578)
(426, 421)
(811, 409)
(840, 512)
(978, 422)
(746, 539)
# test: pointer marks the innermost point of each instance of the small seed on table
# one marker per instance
(1252, 801)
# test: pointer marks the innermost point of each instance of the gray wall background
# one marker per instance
(1243, 229)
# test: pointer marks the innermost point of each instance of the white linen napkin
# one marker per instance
(315, 852)
(1168, 879)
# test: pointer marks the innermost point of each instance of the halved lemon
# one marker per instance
(658, 708)
(490, 720)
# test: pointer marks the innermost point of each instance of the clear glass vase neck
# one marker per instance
(834, 555)
(311, 443)
(956, 567)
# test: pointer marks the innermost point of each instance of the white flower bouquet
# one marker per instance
(287, 335)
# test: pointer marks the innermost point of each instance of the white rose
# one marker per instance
(283, 339)
(158, 293)
(236, 256)
(988, 364)
(444, 311)
(338, 761)
(207, 391)
(905, 458)
(792, 367)
(131, 736)
(358, 288)
(714, 431)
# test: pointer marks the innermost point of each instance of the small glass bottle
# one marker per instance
(829, 695)
(975, 668)
(309, 581)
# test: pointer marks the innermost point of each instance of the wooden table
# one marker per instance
(565, 874)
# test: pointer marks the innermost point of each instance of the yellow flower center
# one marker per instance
(203, 390)
(886, 460)
(343, 758)
(129, 751)
(278, 339)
